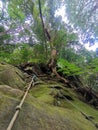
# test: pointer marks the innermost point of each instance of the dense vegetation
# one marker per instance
(30, 30)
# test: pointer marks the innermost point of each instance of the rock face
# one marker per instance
(10, 75)
(44, 107)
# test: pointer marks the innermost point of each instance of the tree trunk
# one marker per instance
(52, 65)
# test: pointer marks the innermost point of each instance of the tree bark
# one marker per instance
(41, 17)
(52, 65)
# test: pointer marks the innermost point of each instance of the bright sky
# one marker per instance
(62, 12)
(92, 47)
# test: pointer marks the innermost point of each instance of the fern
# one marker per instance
(68, 68)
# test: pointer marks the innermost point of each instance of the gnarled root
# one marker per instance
(52, 66)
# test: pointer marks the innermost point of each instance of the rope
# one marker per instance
(84, 114)
(18, 108)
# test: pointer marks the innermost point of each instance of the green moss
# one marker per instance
(11, 76)
(65, 109)
(89, 110)
(39, 109)
(42, 93)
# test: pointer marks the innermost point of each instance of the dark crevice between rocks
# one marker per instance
(88, 96)
(56, 87)
(63, 96)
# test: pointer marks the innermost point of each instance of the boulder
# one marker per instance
(11, 76)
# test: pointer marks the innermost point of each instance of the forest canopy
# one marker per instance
(30, 31)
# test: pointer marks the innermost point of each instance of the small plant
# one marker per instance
(68, 68)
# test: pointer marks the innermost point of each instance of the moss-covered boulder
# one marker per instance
(39, 111)
(11, 76)
(44, 108)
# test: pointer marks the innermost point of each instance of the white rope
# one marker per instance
(20, 105)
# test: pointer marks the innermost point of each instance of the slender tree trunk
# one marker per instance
(41, 16)
(52, 63)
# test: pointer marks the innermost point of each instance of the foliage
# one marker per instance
(74, 59)
(90, 76)
(83, 16)
(39, 52)
(68, 68)
(93, 65)
(19, 9)
(4, 37)
(22, 54)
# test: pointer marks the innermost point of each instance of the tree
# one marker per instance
(51, 38)
(83, 16)
(59, 36)
(5, 37)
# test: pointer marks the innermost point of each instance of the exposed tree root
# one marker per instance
(52, 66)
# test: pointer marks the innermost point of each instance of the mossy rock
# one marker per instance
(38, 111)
(36, 115)
(11, 76)
(9, 91)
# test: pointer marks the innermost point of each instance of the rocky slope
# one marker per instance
(45, 107)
